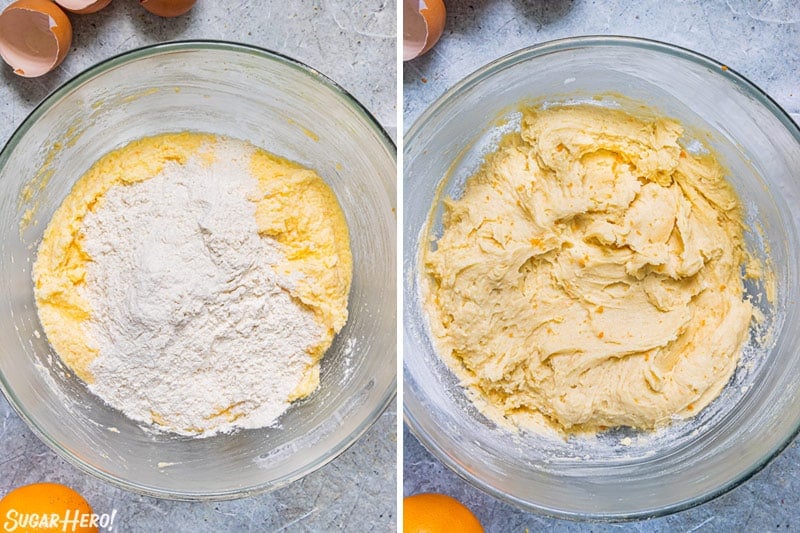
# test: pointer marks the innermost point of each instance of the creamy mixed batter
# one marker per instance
(196, 255)
(590, 275)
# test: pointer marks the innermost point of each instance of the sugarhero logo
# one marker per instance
(50, 507)
(67, 522)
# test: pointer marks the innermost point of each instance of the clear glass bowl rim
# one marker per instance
(153, 50)
(530, 53)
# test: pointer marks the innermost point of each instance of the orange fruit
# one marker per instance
(43, 508)
(437, 513)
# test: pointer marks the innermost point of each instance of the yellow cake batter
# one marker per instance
(296, 208)
(589, 277)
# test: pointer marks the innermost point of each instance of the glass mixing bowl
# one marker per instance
(758, 413)
(272, 102)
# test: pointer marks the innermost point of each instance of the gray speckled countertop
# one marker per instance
(356, 48)
(758, 38)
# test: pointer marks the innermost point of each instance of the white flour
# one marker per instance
(194, 328)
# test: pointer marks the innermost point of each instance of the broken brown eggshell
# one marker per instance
(83, 7)
(167, 8)
(35, 36)
(423, 24)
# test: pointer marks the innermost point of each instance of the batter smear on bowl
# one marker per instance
(195, 282)
(590, 276)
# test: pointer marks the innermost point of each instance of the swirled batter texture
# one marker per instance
(590, 275)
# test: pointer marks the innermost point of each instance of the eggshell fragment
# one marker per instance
(423, 24)
(83, 7)
(35, 36)
(167, 8)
